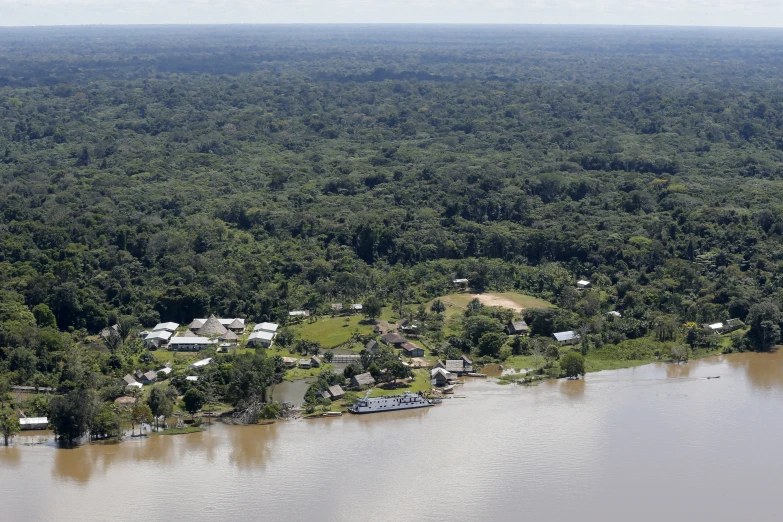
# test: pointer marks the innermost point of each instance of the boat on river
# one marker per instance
(406, 401)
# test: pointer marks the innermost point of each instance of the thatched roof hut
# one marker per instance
(212, 328)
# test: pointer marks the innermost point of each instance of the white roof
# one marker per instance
(165, 370)
(134, 385)
(267, 327)
(615, 313)
(566, 336)
(460, 280)
(166, 326)
(298, 312)
(160, 334)
(191, 340)
(582, 282)
(438, 370)
(715, 326)
(202, 362)
(193, 378)
(261, 334)
(34, 420)
(356, 306)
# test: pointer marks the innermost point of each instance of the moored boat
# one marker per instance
(406, 401)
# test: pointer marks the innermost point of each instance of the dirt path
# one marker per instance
(496, 300)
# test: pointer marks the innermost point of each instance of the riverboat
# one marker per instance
(406, 401)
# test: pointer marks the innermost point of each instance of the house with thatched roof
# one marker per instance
(212, 328)
(362, 380)
(229, 337)
(335, 392)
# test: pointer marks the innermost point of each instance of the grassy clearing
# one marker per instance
(295, 374)
(421, 382)
(457, 303)
(332, 332)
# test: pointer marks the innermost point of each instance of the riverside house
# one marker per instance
(566, 338)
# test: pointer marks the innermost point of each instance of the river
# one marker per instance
(657, 442)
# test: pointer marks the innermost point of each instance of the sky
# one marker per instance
(744, 13)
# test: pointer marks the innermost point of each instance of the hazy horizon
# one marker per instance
(675, 13)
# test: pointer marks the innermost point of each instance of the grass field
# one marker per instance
(457, 303)
(421, 382)
(333, 331)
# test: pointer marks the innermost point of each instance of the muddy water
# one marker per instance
(658, 442)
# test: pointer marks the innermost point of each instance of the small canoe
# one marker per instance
(333, 414)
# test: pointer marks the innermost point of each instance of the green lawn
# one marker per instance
(295, 374)
(457, 303)
(421, 383)
(331, 332)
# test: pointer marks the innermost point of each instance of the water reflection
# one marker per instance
(251, 445)
(10, 456)
(764, 370)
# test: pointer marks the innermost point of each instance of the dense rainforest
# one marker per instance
(166, 173)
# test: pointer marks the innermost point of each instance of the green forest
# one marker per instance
(166, 173)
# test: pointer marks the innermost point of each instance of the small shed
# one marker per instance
(34, 423)
(305, 363)
(150, 377)
(315, 361)
(301, 314)
(517, 328)
(411, 350)
(394, 339)
(371, 346)
(191, 378)
(567, 338)
(290, 362)
(356, 307)
(336, 392)
(363, 380)
(134, 386)
(441, 377)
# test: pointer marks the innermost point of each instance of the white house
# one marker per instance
(191, 378)
(260, 338)
(134, 386)
(356, 307)
(266, 327)
(615, 313)
(299, 313)
(169, 327)
(566, 338)
(201, 363)
(190, 344)
(582, 284)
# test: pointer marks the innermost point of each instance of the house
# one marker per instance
(107, 332)
(394, 339)
(467, 361)
(149, 377)
(371, 346)
(517, 328)
(325, 395)
(315, 361)
(300, 314)
(190, 344)
(457, 367)
(615, 313)
(336, 392)
(460, 282)
(125, 401)
(732, 324)
(362, 380)
(411, 350)
(407, 326)
(139, 375)
(356, 307)
(134, 386)
(157, 339)
(191, 378)
(169, 327)
(290, 362)
(235, 324)
(212, 328)
(567, 338)
(713, 328)
(201, 363)
(229, 338)
(337, 307)
(305, 363)
(166, 370)
(441, 377)
(34, 423)
(582, 284)
(266, 327)
(129, 379)
(260, 338)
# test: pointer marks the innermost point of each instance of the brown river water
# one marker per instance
(658, 442)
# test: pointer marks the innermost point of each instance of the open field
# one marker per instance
(457, 303)
(421, 382)
(331, 332)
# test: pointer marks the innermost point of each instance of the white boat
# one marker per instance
(406, 401)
